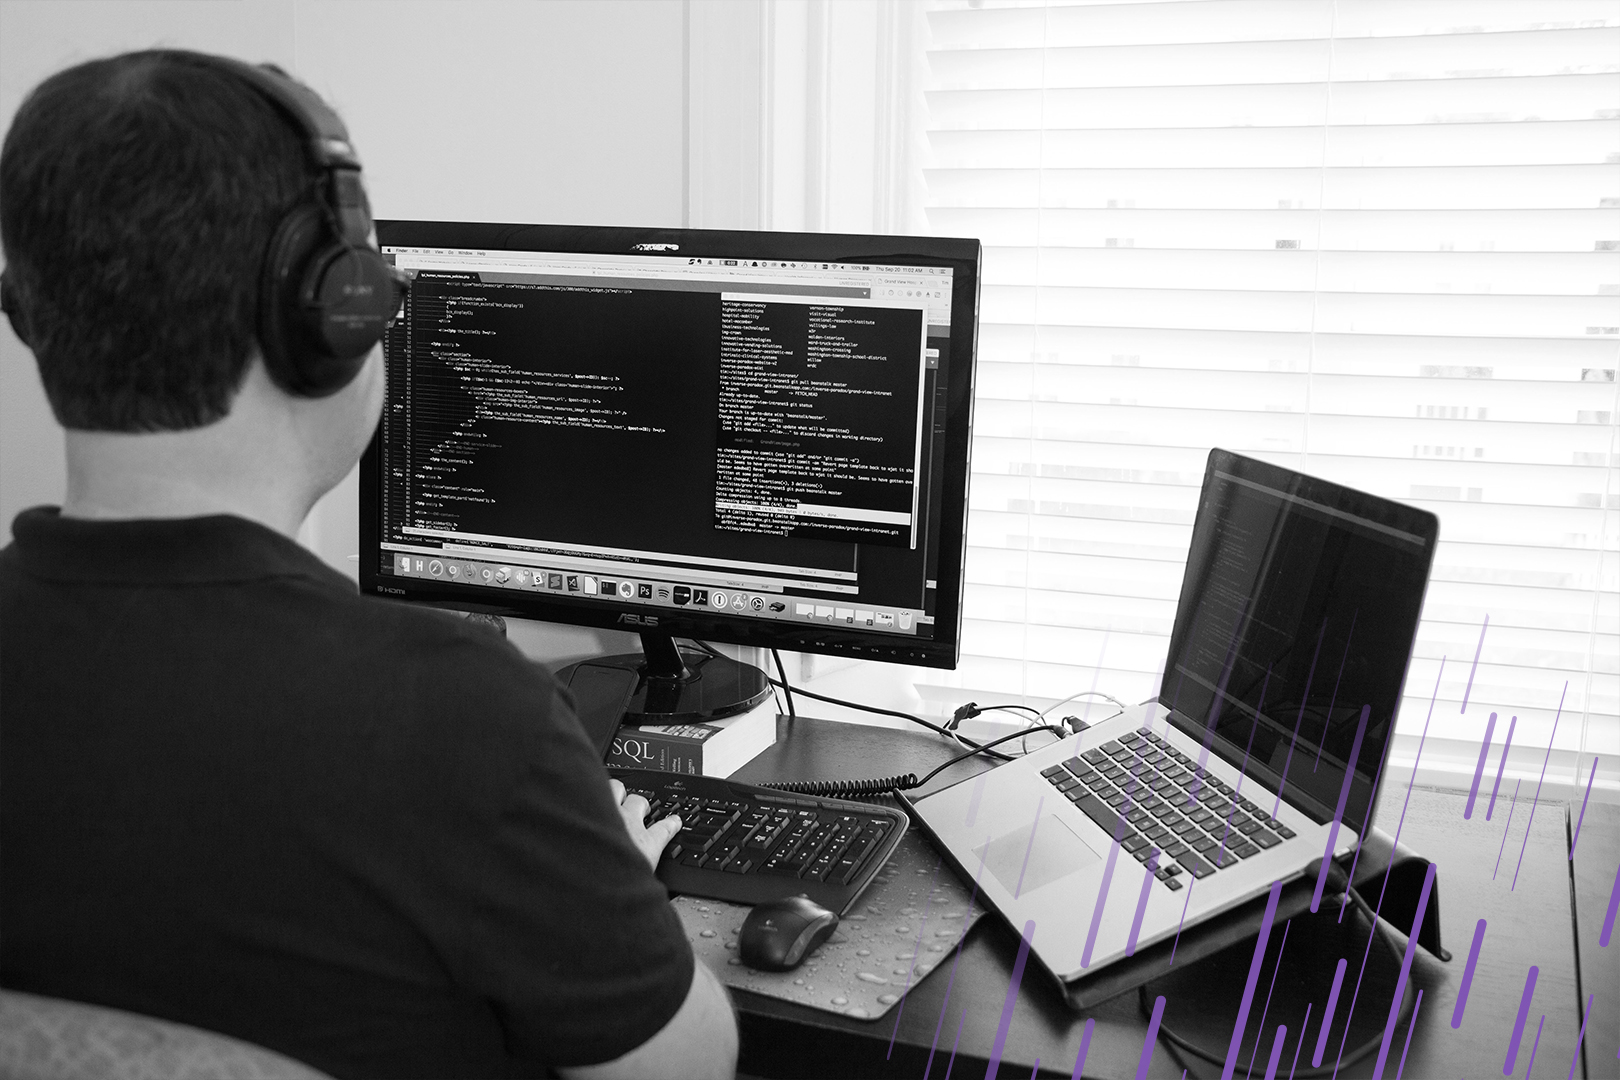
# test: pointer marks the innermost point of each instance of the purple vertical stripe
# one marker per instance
(1506, 829)
(1614, 905)
(1468, 974)
(1327, 1014)
(951, 1061)
(1537, 797)
(951, 982)
(1406, 969)
(1579, 1036)
(1039, 805)
(1338, 813)
(1300, 719)
(1530, 1066)
(1276, 1051)
(1304, 1026)
(1501, 766)
(1577, 837)
(1479, 768)
(1012, 999)
(1085, 1047)
(1519, 1021)
(1102, 898)
(1337, 682)
(1152, 1038)
(1410, 1026)
(1469, 689)
(1036, 1071)
(1254, 977)
(1177, 943)
(1141, 902)
(1372, 794)
(1266, 1010)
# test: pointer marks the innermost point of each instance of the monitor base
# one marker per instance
(693, 687)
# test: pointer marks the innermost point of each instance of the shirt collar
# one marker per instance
(196, 550)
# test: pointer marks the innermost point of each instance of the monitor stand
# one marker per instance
(693, 687)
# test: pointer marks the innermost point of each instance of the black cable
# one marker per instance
(786, 689)
(1379, 930)
(855, 789)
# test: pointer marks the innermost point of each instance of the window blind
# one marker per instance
(1374, 240)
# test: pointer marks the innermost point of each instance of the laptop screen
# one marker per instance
(1298, 612)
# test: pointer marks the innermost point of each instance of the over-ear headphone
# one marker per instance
(325, 294)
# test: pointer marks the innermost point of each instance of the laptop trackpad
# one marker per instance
(1023, 866)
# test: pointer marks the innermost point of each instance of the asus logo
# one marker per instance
(639, 620)
(655, 247)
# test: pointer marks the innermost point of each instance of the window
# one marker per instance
(1375, 240)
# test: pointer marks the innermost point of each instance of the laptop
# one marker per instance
(1262, 754)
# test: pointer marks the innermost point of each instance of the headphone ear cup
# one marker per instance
(13, 309)
(323, 305)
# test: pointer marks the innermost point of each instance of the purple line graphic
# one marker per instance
(1530, 1068)
(1410, 1027)
(1469, 689)
(1151, 1040)
(951, 1061)
(951, 982)
(1580, 1035)
(1012, 999)
(1338, 813)
(1337, 682)
(1468, 975)
(1176, 943)
(1577, 837)
(1501, 765)
(1400, 983)
(1519, 1021)
(1108, 870)
(1141, 902)
(1293, 742)
(1085, 1047)
(1261, 1027)
(1276, 1051)
(1537, 797)
(1327, 1014)
(1614, 905)
(1019, 887)
(1304, 1026)
(916, 949)
(1254, 977)
(1036, 1071)
(1355, 860)
(1506, 829)
(1479, 769)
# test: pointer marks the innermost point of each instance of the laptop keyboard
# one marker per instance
(1149, 797)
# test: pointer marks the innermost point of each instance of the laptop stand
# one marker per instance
(1201, 973)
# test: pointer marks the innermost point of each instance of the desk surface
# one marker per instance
(1512, 871)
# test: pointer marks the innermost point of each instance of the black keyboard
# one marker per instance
(750, 844)
(1151, 798)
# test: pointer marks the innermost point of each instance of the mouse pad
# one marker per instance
(906, 923)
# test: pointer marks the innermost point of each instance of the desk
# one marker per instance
(1528, 922)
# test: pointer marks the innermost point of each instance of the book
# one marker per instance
(718, 748)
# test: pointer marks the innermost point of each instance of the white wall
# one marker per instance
(488, 110)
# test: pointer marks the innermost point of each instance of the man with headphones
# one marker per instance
(233, 792)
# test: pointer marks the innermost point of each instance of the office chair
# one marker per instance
(44, 1038)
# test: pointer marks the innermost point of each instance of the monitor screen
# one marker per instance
(754, 438)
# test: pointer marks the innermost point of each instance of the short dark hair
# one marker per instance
(137, 197)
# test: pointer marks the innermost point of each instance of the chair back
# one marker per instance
(45, 1038)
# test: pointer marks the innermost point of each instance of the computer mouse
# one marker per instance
(779, 934)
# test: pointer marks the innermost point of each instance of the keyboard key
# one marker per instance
(1175, 849)
(1222, 857)
(1248, 827)
(1095, 757)
(1055, 770)
(1116, 750)
(1131, 738)
(1134, 843)
(1137, 816)
(1245, 849)
(1265, 839)
(1203, 844)
(1065, 785)
(1098, 811)
(1173, 884)
(1194, 865)
(1157, 833)
(1284, 831)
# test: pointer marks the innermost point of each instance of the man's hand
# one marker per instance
(650, 840)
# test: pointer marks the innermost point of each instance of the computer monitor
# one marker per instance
(753, 438)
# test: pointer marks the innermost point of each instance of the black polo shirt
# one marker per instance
(237, 794)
